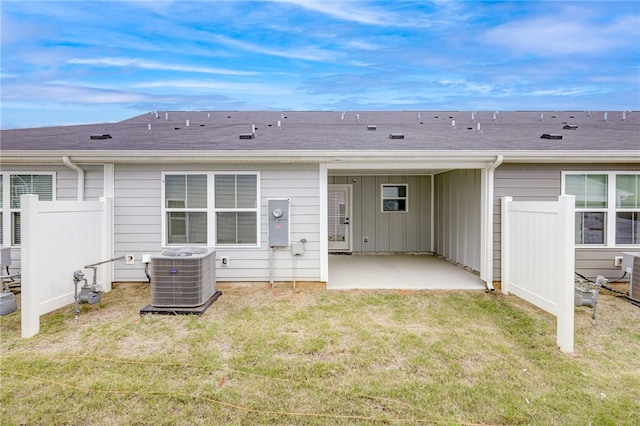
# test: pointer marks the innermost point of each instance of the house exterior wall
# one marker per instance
(138, 216)
(389, 232)
(457, 208)
(543, 182)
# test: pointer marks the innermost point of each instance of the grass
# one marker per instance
(298, 357)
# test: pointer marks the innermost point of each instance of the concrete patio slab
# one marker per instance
(415, 272)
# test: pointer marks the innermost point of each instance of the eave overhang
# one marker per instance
(332, 158)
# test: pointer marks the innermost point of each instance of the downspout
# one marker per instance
(489, 222)
(80, 172)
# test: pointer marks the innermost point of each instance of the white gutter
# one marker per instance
(488, 225)
(80, 172)
(334, 158)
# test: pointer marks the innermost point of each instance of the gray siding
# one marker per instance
(543, 182)
(457, 217)
(389, 232)
(138, 210)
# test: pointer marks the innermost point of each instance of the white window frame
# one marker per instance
(609, 211)
(255, 209)
(211, 209)
(166, 210)
(383, 198)
(7, 211)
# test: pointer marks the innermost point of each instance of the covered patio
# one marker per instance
(401, 272)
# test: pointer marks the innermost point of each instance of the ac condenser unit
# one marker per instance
(631, 265)
(182, 277)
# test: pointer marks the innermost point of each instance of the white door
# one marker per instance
(339, 214)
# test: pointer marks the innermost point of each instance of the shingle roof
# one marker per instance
(335, 131)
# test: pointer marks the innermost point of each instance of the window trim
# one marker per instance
(255, 210)
(7, 211)
(609, 211)
(211, 211)
(383, 198)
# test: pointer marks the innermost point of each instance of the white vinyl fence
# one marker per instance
(538, 258)
(58, 238)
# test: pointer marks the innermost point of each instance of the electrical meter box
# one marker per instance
(278, 212)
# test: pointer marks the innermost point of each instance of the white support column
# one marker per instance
(323, 184)
(505, 242)
(107, 243)
(565, 284)
(30, 300)
(108, 182)
(108, 179)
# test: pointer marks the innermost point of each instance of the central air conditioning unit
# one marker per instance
(182, 277)
(631, 265)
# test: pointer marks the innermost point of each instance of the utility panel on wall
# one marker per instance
(278, 212)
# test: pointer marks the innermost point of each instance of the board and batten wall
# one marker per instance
(389, 232)
(457, 214)
(543, 182)
(138, 210)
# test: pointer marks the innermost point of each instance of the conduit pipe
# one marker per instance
(489, 221)
(67, 161)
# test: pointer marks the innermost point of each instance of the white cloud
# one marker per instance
(554, 35)
(64, 92)
(348, 11)
(224, 87)
(150, 65)
(308, 53)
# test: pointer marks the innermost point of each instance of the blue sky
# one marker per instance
(78, 62)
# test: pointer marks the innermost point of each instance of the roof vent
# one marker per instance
(372, 127)
(101, 136)
(570, 126)
(551, 136)
(396, 135)
(247, 135)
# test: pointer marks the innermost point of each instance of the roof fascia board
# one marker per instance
(334, 158)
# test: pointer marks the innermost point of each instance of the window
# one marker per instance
(211, 209)
(186, 209)
(607, 207)
(395, 197)
(628, 209)
(236, 209)
(14, 185)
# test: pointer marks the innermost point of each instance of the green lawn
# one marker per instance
(293, 357)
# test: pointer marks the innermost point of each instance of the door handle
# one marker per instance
(346, 220)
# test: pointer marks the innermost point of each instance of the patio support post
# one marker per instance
(505, 249)
(323, 184)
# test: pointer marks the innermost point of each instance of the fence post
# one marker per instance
(505, 245)
(565, 285)
(30, 300)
